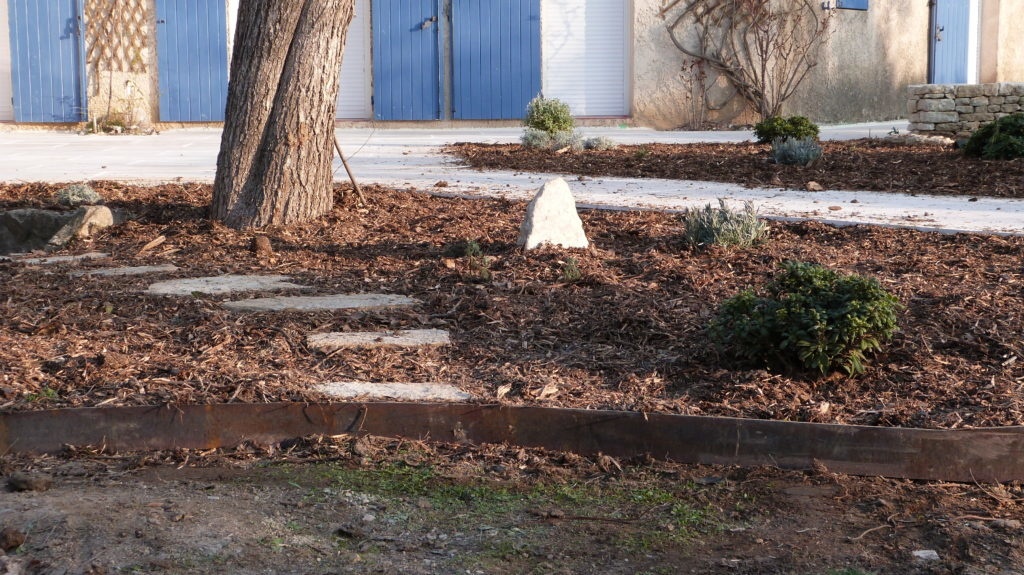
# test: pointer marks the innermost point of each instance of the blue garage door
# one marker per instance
(495, 58)
(949, 41)
(406, 70)
(192, 54)
(47, 67)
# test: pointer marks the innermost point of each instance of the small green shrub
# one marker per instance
(549, 115)
(536, 139)
(571, 271)
(77, 194)
(599, 143)
(810, 317)
(999, 140)
(572, 140)
(723, 226)
(795, 152)
(797, 127)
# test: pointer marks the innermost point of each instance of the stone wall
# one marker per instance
(959, 109)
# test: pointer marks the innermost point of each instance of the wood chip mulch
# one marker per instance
(628, 335)
(871, 164)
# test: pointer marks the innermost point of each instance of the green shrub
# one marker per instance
(999, 140)
(572, 140)
(538, 139)
(549, 115)
(797, 127)
(723, 226)
(74, 195)
(795, 151)
(810, 317)
(599, 143)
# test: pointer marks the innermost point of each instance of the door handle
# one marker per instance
(938, 33)
(428, 22)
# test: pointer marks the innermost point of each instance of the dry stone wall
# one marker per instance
(958, 110)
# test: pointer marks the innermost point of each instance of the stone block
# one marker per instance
(912, 105)
(1000, 115)
(921, 127)
(995, 108)
(962, 101)
(943, 105)
(965, 109)
(936, 117)
(979, 101)
(967, 90)
(990, 89)
(551, 219)
(1010, 88)
(1011, 108)
(970, 126)
(919, 89)
(949, 127)
(978, 117)
(1012, 99)
(937, 96)
(996, 100)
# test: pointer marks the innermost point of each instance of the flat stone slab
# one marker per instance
(410, 391)
(126, 271)
(52, 260)
(328, 342)
(321, 303)
(216, 285)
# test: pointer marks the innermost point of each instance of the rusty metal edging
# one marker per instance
(988, 455)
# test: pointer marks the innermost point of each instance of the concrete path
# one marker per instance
(410, 159)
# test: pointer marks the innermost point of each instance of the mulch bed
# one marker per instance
(628, 335)
(872, 164)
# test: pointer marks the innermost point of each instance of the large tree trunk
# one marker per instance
(276, 153)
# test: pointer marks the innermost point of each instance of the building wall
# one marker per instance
(869, 59)
(1010, 58)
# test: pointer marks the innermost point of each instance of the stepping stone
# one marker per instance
(225, 284)
(128, 271)
(328, 342)
(413, 391)
(52, 260)
(320, 303)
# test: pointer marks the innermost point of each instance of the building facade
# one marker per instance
(140, 62)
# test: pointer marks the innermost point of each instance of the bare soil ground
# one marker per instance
(627, 335)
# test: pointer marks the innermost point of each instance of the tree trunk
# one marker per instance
(276, 153)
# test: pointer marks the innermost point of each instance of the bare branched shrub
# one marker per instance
(765, 48)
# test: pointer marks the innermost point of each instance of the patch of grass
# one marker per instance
(45, 394)
(571, 271)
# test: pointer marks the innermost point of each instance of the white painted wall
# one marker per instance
(585, 55)
(973, 42)
(6, 82)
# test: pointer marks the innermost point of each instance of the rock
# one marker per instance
(77, 195)
(328, 342)
(408, 391)
(11, 539)
(29, 230)
(20, 481)
(814, 187)
(926, 555)
(320, 303)
(1007, 524)
(12, 566)
(126, 271)
(87, 221)
(551, 218)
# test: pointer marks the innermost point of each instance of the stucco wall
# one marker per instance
(1010, 67)
(863, 70)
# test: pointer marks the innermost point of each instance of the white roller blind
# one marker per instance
(585, 55)
(6, 85)
(354, 96)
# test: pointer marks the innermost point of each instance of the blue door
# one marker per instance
(949, 41)
(406, 67)
(47, 64)
(495, 58)
(192, 54)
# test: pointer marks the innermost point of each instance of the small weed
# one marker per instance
(599, 143)
(641, 153)
(795, 151)
(47, 393)
(473, 254)
(571, 271)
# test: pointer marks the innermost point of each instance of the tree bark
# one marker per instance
(277, 150)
